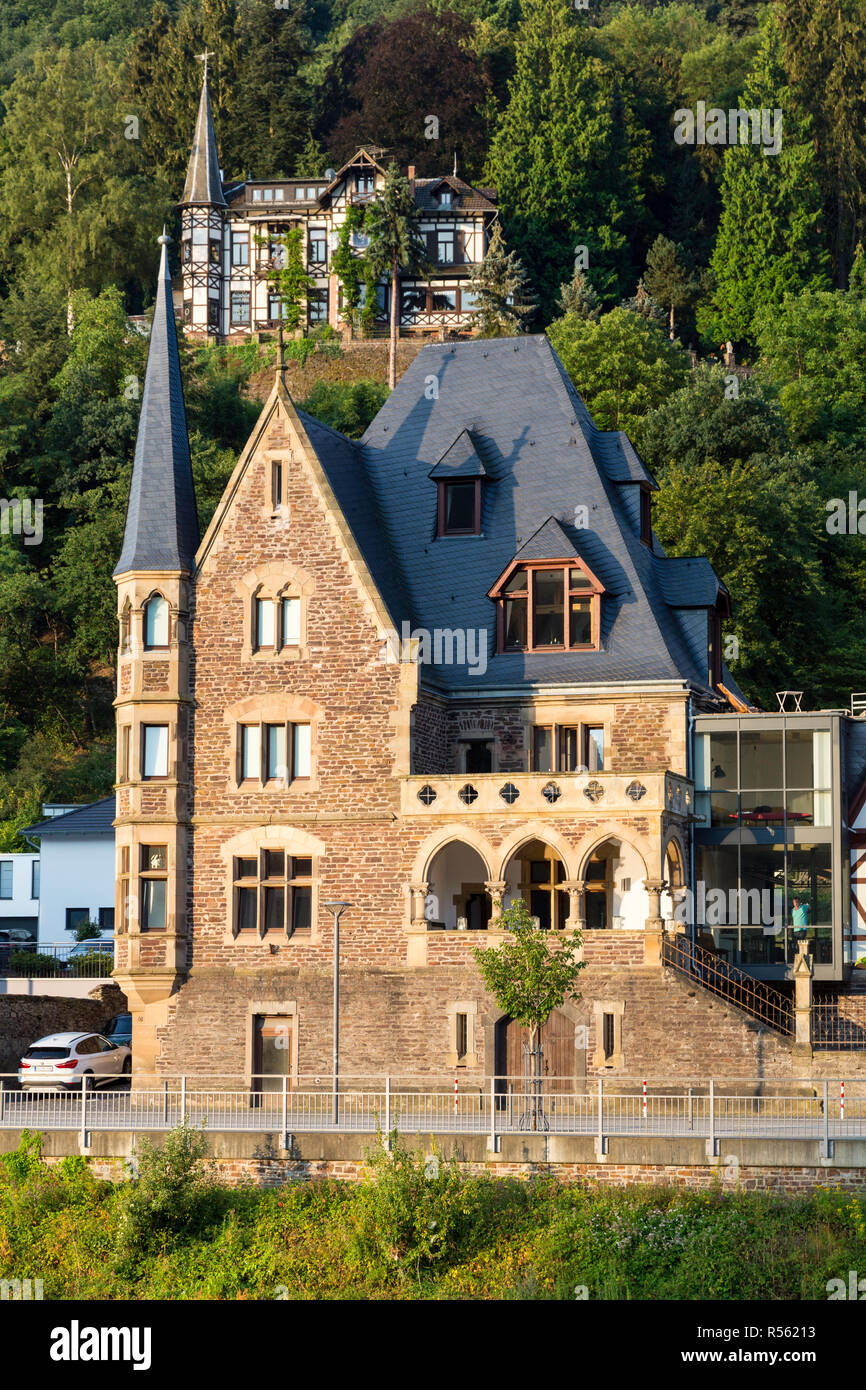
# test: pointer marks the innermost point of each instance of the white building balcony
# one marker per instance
(558, 793)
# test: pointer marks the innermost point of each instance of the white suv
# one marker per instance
(60, 1060)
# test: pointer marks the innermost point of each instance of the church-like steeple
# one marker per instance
(161, 519)
(203, 183)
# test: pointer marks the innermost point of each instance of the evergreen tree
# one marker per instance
(643, 304)
(271, 115)
(769, 241)
(500, 287)
(857, 277)
(668, 279)
(567, 156)
(396, 245)
(825, 54)
(578, 297)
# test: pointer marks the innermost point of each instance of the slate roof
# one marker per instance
(460, 460)
(203, 182)
(161, 518)
(95, 819)
(543, 459)
(471, 199)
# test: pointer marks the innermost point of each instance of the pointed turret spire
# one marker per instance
(161, 518)
(203, 182)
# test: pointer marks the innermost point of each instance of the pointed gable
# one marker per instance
(161, 519)
(550, 542)
(203, 182)
(460, 460)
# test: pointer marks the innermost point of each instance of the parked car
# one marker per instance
(16, 934)
(119, 1030)
(103, 946)
(60, 1060)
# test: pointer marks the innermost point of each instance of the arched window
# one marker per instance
(155, 622)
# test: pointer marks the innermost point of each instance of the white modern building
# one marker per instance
(76, 876)
(19, 896)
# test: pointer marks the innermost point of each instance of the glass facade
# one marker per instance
(765, 871)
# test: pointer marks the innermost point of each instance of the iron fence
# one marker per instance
(735, 986)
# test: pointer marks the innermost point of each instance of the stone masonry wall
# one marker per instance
(24, 1018)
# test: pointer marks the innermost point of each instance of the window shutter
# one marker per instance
(459, 248)
(432, 246)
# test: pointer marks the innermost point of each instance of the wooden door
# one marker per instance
(560, 1058)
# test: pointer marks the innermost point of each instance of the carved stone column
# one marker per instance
(803, 964)
(574, 888)
(496, 888)
(654, 926)
(419, 898)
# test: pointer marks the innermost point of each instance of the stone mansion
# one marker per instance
(426, 673)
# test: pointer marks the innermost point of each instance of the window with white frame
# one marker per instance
(273, 754)
(154, 750)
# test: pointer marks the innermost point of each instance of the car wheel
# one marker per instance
(127, 1066)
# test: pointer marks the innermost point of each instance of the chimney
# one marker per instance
(412, 178)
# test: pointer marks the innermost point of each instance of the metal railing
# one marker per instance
(735, 986)
(838, 1022)
(712, 1110)
(56, 960)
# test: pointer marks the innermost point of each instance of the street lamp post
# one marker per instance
(337, 908)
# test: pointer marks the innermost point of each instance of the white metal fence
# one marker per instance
(709, 1110)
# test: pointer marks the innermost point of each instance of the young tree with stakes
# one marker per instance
(528, 980)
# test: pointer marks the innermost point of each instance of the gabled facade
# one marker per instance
(356, 711)
(230, 251)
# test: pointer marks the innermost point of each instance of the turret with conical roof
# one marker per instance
(154, 578)
(203, 219)
(161, 519)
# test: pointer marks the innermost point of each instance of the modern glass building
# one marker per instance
(771, 838)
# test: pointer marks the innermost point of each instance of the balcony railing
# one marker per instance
(570, 793)
(56, 960)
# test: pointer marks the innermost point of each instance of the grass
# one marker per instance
(410, 1230)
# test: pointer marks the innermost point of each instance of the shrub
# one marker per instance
(408, 1213)
(170, 1194)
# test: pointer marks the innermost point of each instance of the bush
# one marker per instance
(34, 963)
(169, 1196)
(408, 1213)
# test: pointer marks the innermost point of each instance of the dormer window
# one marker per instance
(445, 198)
(548, 607)
(460, 507)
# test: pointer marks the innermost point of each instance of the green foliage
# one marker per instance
(668, 278)
(347, 265)
(292, 282)
(578, 297)
(567, 156)
(409, 1214)
(502, 295)
(347, 407)
(32, 963)
(527, 979)
(813, 350)
(623, 365)
(769, 241)
(25, 1161)
(169, 1197)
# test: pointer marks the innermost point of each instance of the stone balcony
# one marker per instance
(560, 793)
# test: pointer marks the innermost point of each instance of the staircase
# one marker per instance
(753, 997)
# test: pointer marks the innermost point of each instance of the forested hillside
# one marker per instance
(642, 254)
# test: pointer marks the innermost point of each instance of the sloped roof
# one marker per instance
(161, 519)
(689, 581)
(95, 819)
(460, 460)
(203, 183)
(543, 459)
(550, 542)
(471, 199)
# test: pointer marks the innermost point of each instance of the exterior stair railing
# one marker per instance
(753, 997)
